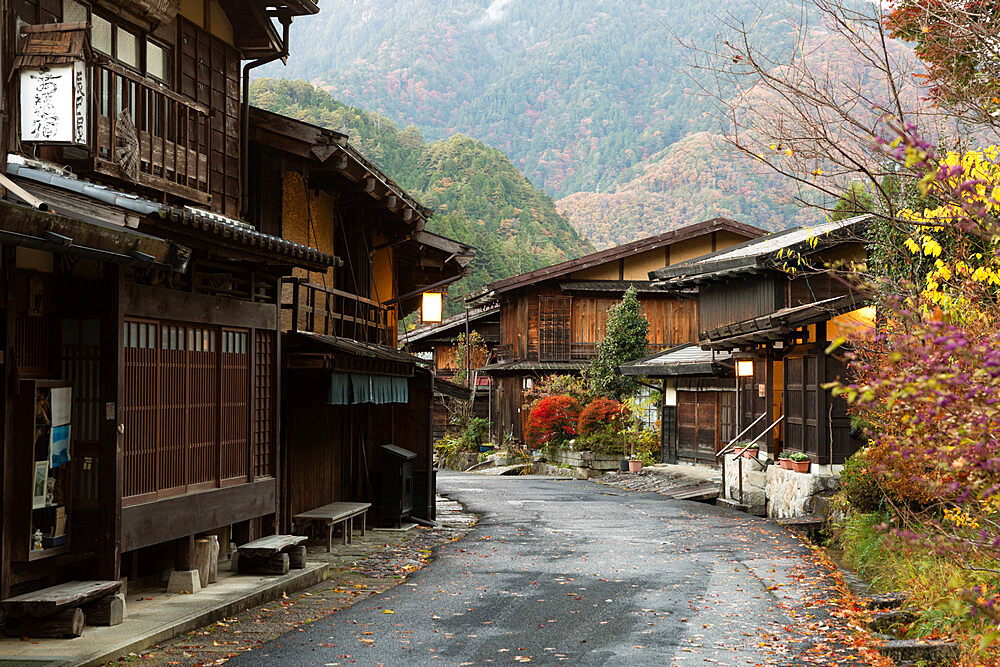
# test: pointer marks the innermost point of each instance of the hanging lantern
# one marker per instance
(744, 368)
(430, 309)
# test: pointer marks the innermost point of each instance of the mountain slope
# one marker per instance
(575, 91)
(478, 196)
(693, 180)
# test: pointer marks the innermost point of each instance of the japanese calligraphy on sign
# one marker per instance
(54, 104)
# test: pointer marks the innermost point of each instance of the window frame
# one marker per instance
(143, 40)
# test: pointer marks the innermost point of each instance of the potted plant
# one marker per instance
(751, 451)
(786, 463)
(800, 462)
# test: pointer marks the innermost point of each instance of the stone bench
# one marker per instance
(64, 610)
(274, 554)
(342, 514)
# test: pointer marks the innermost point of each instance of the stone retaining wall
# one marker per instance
(777, 493)
(792, 494)
(592, 460)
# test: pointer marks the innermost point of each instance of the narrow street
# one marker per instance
(576, 572)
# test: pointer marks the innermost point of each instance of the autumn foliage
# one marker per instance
(601, 414)
(552, 420)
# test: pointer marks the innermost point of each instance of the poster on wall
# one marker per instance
(54, 104)
(40, 485)
(62, 405)
(59, 447)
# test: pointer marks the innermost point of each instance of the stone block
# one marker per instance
(755, 479)
(184, 581)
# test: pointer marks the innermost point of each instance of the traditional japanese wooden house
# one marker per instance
(349, 392)
(552, 319)
(698, 400)
(438, 343)
(142, 317)
(776, 324)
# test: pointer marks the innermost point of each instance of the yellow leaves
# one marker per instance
(388, 611)
(817, 172)
(788, 152)
(931, 247)
(912, 246)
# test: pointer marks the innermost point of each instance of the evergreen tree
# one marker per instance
(626, 339)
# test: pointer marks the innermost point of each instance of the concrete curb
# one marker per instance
(312, 574)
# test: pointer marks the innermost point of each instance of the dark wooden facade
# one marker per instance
(163, 321)
(340, 324)
(552, 319)
(783, 323)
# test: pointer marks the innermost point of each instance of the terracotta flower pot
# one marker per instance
(786, 463)
(750, 453)
(634, 465)
(801, 466)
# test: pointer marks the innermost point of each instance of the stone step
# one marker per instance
(918, 651)
(886, 601)
(732, 504)
(889, 621)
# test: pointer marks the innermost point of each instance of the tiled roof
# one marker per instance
(232, 231)
(753, 255)
(612, 254)
(687, 359)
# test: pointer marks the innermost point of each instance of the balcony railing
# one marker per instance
(577, 351)
(174, 133)
(318, 309)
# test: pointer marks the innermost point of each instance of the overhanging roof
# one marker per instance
(614, 286)
(62, 233)
(523, 367)
(443, 387)
(124, 205)
(332, 149)
(619, 252)
(758, 254)
(781, 324)
(684, 360)
(449, 327)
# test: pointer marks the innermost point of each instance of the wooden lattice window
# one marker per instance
(187, 411)
(554, 327)
(264, 351)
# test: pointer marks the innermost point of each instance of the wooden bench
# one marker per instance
(63, 610)
(333, 514)
(273, 554)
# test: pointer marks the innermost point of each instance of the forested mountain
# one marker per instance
(695, 179)
(576, 92)
(479, 197)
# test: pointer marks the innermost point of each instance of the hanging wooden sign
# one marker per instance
(54, 104)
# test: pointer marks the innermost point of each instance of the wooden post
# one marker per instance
(769, 400)
(184, 556)
(824, 443)
(110, 463)
(7, 501)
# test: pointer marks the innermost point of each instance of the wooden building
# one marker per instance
(347, 389)
(779, 324)
(437, 343)
(141, 344)
(698, 392)
(168, 275)
(552, 319)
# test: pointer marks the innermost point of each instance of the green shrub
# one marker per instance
(859, 483)
(603, 441)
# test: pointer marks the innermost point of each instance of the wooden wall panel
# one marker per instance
(720, 305)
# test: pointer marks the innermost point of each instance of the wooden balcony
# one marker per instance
(174, 133)
(576, 351)
(324, 310)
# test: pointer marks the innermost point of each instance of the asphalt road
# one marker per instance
(576, 572)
